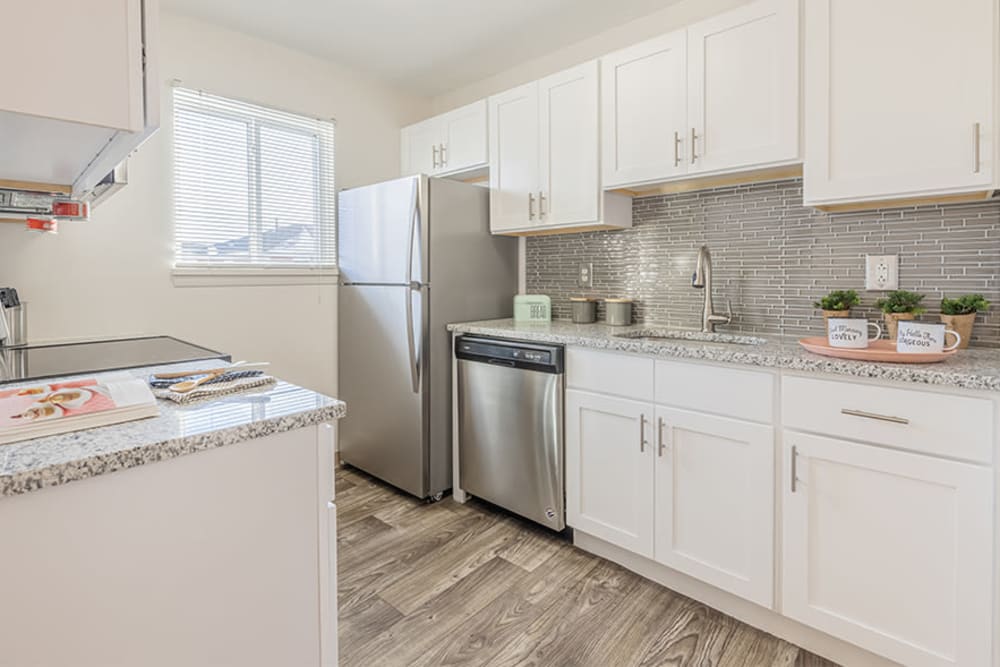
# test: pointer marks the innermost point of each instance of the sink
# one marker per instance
(693, 336)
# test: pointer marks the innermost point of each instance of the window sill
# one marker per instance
(250, 277)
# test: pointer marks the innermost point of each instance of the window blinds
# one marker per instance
(253, 186)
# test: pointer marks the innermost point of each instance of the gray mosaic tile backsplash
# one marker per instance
(772, 257)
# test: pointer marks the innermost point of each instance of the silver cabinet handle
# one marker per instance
(444, 155)
(677, 148)
(872, 415)
(975, 143)
(642, 433)
(531, 206)
(694, 155)
(795, 466)
(541, 204)
(434, 154)
(662, 446)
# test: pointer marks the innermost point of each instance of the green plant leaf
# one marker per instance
(838, 300)
(964, 305)
(901, 301)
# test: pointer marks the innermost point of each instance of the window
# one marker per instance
(253, 186)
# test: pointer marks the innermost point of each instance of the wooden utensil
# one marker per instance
(188, 385)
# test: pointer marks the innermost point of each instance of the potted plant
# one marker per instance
(838, 303)
(899, 305)
(960, 314)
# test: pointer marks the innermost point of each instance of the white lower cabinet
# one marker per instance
(889, 550)
(609, 469)
(692, 491)
(715, 501)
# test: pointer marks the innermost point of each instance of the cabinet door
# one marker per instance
(569, 159)
(644, 108)
(513, 121)
(743, 94)
(888, 550)
(420, 146)
(74, 61)
(609, 469)
(898, 107)
(715, 501)
(464, 137)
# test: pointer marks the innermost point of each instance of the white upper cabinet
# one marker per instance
(514, 149)
(449, 144)
(643, 99)
(715, 501)
(569, 159)
(889, 550)
(86, 69)
(900, 99)
(465, 144)
(79, 101)
(743, 88)
(545, 157)
(720, 96)
(421, 147)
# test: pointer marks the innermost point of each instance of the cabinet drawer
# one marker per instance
(723, 391)
(942, 424)
(609, 373)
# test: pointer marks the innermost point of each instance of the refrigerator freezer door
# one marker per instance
(379, 233)
(381, 380)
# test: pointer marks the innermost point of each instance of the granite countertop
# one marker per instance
(969, 369)
(178, 430)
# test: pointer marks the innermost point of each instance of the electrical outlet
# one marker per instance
(881, 272)
(586, 277)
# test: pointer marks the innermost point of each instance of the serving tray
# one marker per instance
(877, 350)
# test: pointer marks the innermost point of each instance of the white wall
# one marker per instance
(670, 18)
(111, 277)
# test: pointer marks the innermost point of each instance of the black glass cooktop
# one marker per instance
(46, 361)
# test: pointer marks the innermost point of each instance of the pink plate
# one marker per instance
(878, 350)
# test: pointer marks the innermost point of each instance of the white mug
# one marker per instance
(851, 332)
(924, 337)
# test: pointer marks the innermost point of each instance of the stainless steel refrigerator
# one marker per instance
(415, 254)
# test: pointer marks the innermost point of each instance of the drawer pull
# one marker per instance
(872, 415)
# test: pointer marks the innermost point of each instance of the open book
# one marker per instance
(60, 407)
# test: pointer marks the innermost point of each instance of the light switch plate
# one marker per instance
(586, 277)
(881, 272)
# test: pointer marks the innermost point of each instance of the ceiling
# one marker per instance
(427, 46)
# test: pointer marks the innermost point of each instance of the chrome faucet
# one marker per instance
(702, 279)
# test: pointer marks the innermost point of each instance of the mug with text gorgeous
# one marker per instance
(924, 337)
(850, 332)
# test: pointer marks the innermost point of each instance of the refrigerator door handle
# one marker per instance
(412, 286)
(411, 343)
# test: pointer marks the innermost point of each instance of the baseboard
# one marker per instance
(754, 615)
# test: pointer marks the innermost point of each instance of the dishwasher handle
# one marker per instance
(502, 362)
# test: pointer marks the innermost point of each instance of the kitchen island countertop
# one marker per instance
(976, 368)
(178, 430)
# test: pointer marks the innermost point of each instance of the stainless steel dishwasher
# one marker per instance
(510, 426)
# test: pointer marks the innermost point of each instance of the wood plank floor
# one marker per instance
(448, 584)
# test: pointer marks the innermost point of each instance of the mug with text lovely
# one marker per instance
(850, 332)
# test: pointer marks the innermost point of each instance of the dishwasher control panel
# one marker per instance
(517, 354)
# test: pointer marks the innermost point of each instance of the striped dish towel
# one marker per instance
(215, 389)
